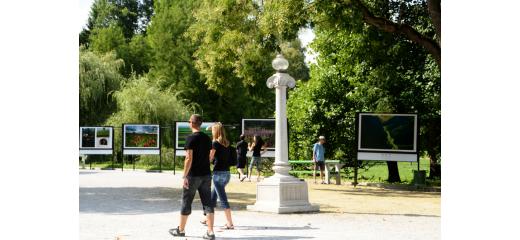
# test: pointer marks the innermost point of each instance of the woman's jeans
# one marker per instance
(220, 180)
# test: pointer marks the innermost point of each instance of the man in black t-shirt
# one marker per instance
(196, 177)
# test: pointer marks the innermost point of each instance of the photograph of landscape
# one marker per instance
(265, 128)
(183, 130)
(387, 132)
(141, 136)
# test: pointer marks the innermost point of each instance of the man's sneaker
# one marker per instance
(177, 233)
(209, 236)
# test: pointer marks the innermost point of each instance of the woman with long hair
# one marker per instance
(258, 148)
(220, 156)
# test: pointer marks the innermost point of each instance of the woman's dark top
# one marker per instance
(241, 150)
(257, 148)
(221, 158)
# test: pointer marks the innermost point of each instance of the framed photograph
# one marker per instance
(387, 136)
(96, 140)
(183, 129)
(141, 136)
(264, 128)
(141, 139)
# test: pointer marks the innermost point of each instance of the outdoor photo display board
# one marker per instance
(141, 139)
(182, 130)
(387, 137)
(96, 140)
(265, 128)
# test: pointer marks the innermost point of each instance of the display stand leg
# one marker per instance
(90, 164)
(355, 183)
(133, 161)
(122, 163)
(113, 166)
(174, 160)
(160, 161)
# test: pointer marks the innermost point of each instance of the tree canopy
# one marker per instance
(157, 61)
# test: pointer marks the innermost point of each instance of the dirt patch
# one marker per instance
(349, 199)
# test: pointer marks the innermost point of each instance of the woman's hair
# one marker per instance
(219, 134)
(258, 141)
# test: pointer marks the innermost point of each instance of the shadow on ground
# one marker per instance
(268, 237)
(383, 193)
(139, 200)
(128, 200)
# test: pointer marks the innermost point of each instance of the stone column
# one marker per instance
(281, 193)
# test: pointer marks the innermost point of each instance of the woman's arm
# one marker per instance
(264, 149)
(212, 155)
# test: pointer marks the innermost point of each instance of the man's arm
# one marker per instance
(187, 167)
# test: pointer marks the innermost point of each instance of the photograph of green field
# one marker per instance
(387, 132)
(183, 130)
(141, 136)
(265, 128)
(102, 132)
(88, 138)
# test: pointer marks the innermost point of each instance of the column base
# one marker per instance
(282, 195)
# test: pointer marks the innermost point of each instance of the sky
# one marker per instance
(306, 35)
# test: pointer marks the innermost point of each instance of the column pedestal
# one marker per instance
(282, 195)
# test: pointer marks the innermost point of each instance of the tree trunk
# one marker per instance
(435, 167)
(393, 172)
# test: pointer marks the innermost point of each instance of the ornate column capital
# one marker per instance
(281, 79)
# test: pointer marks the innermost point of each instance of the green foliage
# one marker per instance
(234, 57)
(360, 68)
(98, 77)
(108, 39)
(140, 101)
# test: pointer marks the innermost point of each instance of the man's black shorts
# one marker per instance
(202, 184)
(319, 165)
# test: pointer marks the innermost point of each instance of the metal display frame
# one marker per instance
(97, 151)
(386, 155)
(132, 151)
(270, 150)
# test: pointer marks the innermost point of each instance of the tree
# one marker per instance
(141, 101)
(99, 77)
(403, 11)
(361, 68)
(127, 14)
(418, 21)
(235, 52)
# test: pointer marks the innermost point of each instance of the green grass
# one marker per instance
(377, 173)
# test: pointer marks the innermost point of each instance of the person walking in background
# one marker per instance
(196, 177)
(318, 156)
(221, 155)
(242, 158)
(258, 148)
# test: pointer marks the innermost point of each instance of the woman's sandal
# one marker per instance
(226, 227)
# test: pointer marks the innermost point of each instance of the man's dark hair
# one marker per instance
(242, 137)
(196, 119)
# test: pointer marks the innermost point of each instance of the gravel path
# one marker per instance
(140, 205)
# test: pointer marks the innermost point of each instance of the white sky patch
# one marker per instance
(306, 36)
(84, 10)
